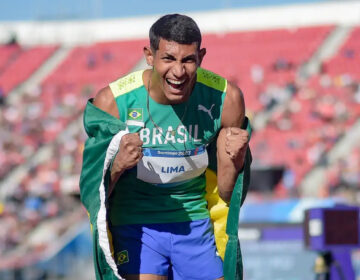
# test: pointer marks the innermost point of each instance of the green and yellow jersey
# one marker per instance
(168, 184)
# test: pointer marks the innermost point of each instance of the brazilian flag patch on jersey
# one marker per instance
(135, 114)
(122, 257)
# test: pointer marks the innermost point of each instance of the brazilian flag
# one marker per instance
(105, 132)
(135, 114)
(122, 257)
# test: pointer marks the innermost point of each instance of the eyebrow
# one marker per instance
(191, 56)
(168, 55)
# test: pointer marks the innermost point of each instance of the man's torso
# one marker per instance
(168, 184)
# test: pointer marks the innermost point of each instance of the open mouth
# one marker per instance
(176, 84)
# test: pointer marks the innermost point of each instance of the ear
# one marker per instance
(202, 53)
(149, 56)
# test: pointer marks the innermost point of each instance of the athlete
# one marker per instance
(173, 111)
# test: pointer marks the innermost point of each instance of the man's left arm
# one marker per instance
(232, 142)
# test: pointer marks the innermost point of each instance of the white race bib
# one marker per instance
(167, 167)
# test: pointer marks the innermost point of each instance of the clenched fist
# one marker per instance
(236, 143)
(130, 152)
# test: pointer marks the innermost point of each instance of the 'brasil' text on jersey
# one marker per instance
(157, 136)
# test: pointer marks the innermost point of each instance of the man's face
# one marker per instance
(175, 68)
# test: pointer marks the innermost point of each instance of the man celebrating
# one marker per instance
(152, 136)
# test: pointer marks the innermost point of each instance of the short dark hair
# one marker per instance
(174, 27)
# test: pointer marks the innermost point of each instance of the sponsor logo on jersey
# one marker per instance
(122, 257)
(206, 110)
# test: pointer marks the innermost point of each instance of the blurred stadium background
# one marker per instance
(297, 62)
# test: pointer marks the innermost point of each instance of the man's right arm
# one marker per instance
(130, 151)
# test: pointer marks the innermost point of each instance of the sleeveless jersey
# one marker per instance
(168, 184)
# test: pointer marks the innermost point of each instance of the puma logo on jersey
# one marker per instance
(204, 109)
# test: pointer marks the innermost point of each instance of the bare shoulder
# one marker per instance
(105, 101)
(233, 113)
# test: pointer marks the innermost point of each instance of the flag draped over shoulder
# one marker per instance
(105, 132)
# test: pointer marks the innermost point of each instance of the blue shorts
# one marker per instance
(181, 251)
